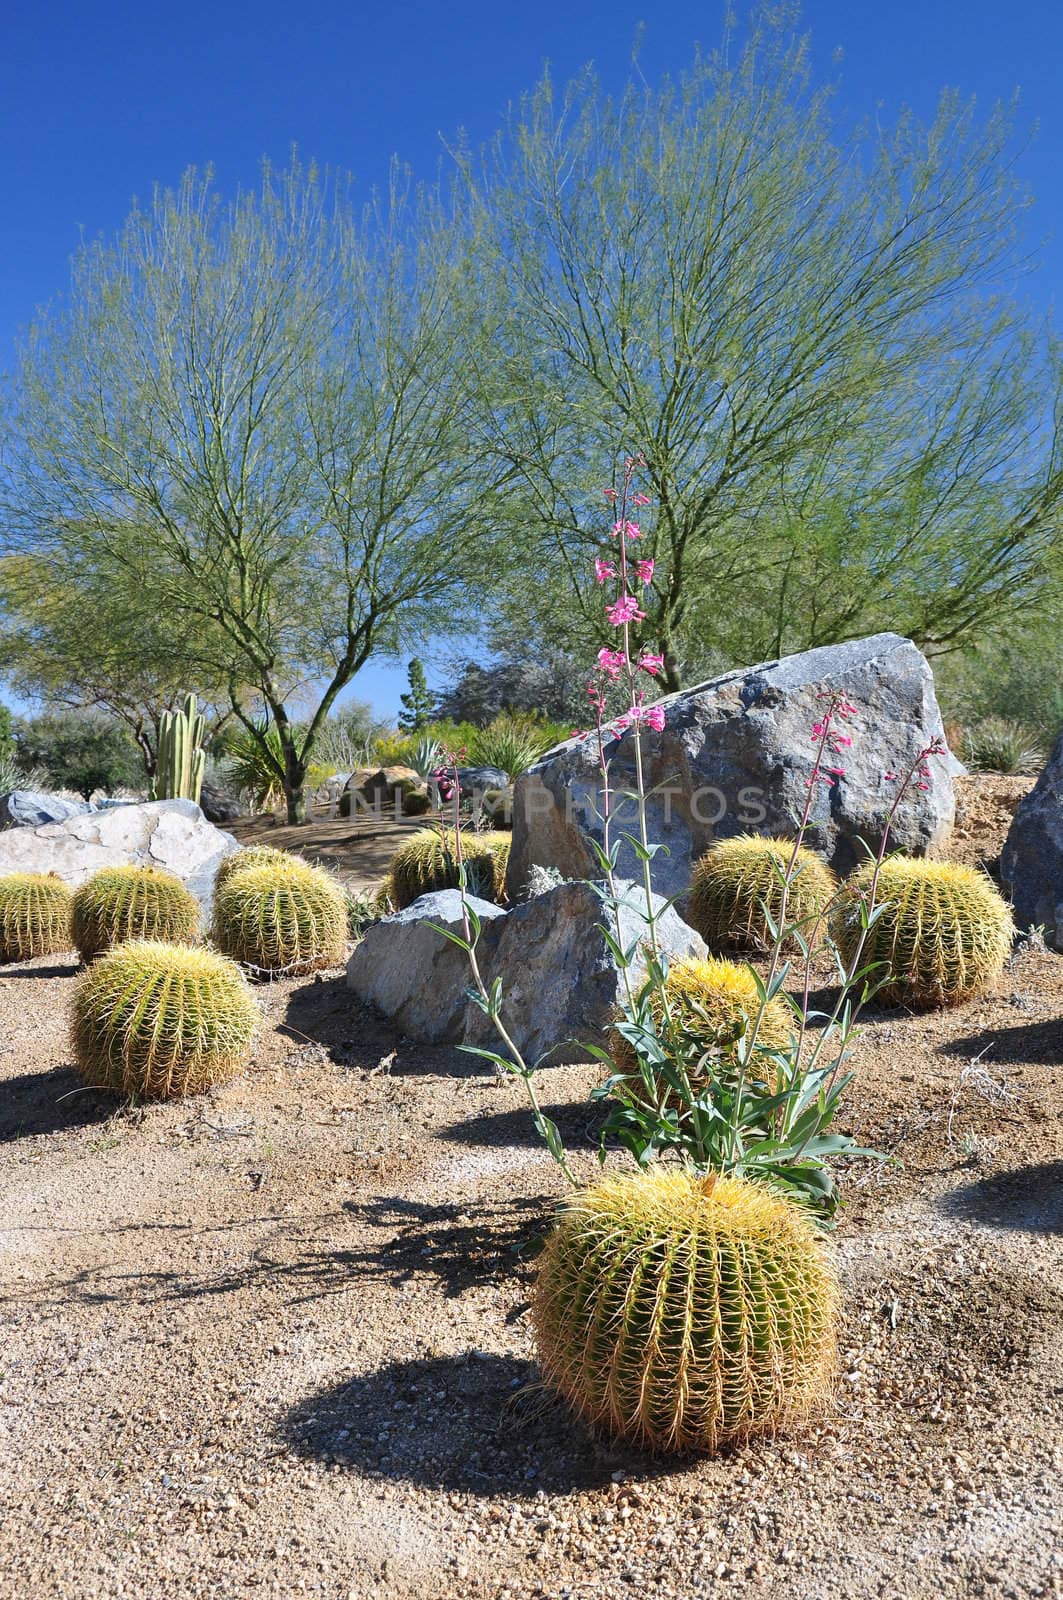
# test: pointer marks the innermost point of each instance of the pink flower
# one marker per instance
(839, 772)
(654, 718)
(644, 569)
(626, 609)
(640, 499)
(650, 663)
(610, 661)
(629, 530)
(603, 570)
(890, 777)
(610, 494)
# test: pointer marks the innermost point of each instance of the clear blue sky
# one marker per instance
(98, 102)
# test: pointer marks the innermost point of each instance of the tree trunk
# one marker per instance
(294, 778)
(295, 799)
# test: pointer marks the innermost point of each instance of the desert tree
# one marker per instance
(247, 413)
(806, 329)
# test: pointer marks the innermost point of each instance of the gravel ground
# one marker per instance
(273, 1342)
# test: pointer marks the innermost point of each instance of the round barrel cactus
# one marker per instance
(281, 918)
(120, 903)
(734, 881)
(684, 1313)
(942, 936)
(256, 855)
(717, 1002)
(159, 1021)
(34, 916)
(428, 861)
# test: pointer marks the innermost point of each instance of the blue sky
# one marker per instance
(99, 102)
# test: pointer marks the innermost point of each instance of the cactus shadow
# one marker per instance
(51, 1102)
(579, 1122)
(1025, 1200)
(472, 1422)
(1035, 1043)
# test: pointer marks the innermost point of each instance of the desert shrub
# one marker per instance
(680, 1312)
(281, 917)
(34, 916)
(942, 935)
(733, 882)
(997, 745)
(514, 743)
(159, 1021)
(428, 861)
(14, 775)
(120, 903)
(81, 751)
(717, 1004)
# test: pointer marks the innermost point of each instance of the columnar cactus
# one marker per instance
(942, 936)
(428, 861)
(180, 758)
(120, 903)
(34, 916)
(679, 1312)
(717, 1002)
(159, 1021)
(736, 878)
(281, 918)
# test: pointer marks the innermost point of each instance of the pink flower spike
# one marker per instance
(610, 661)
(626, 609)
(629, 530)
(610, 494)
(640, 499)
(603, 570)
(655, 718)
(650, 663)
(644, 570)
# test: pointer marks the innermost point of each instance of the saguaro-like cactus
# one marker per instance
(180, 757)
(681, 1312)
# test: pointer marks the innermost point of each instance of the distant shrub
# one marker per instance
(80, 750)
(998, 745)
(514, 743)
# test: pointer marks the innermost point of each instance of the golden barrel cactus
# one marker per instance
(120, 903)
(428, 861)
(158, 1021)
(717, 1001)
(942, 937)
(255, 855)
(736, 878)
(34, 916)
(278, 918)
(685, 1313)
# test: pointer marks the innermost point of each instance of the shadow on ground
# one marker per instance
(50, 1102)
(1040, 1043)
(324, 1011)
(579, 1122)
(1027, 1200)
(469, 1422)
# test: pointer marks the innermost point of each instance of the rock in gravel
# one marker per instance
(26, 808)
(560, 980)
(734, 757)
(413, 974)
(388, 791)
(217, 805)
(1031, 863)
(171, 834)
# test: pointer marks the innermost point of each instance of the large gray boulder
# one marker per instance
(735, 756)
(171, 834)
(560, 981)
(1031, 863)
(27, 808)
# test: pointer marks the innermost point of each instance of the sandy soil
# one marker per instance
(274, 1342)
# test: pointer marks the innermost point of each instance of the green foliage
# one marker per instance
(997, 745)
(254, 762)
(80, 750)
(120, 903)
(34, 915)
(514, 743)
(428, 861)
(680, 1313)
(180, 756)
(736, 893)
(281, 918)
(157, 1021)
(7, 737)
(942, 936)
(419, 702)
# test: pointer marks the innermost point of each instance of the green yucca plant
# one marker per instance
(683, 1313)
(255, 855)
(716, 1002)
(34, 916)
(734, 881)
(281, 918)
(428, 861)
(159, 1021)
(942, 935)
(998, 745)
(513, 744)
(120, 903)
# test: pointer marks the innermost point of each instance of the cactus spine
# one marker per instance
(681, 1312)
(159, 1021)
(180, 758)
(288, 918)
(429, 861)
(737, 878)
(34, 916)
(119, 903)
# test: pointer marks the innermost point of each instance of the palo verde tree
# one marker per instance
(805, 330)
(248, 413)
